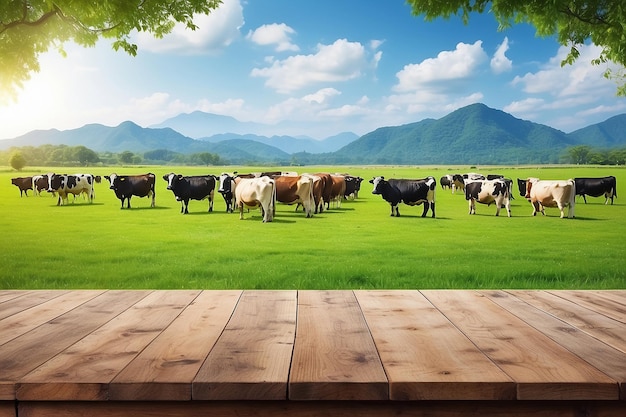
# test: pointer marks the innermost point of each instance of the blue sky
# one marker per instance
(317, 68)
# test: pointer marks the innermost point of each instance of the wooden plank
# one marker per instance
(602, 356)
(542, 369)
(325, 408)
(26, 320)
(251, 359)
(23, 354)
(7, 295)
(34, 298)
(83, 371)
(7, 409)
(335, 357)
(165, 369)
(596, 324)
(424, 355)
(614, 309)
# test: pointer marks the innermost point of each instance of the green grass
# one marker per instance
(98, 245)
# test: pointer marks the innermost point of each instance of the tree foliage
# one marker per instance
(17, 160)
(573, 22)
(31, 27)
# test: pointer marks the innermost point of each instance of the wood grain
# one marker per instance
(25, 353)
(425, 356)
(83, 371)
(251, 359)
(165, 370)
(335, 357)
(541, 368)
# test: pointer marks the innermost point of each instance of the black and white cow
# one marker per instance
(76, 184)
(596, 187)
(446, 181)
(488, 192)
(409, 192)
(191, 188)
(126, 186)
(227, 190)
(521, 185)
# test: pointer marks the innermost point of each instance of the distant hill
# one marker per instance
(608, 134)
(475, 134)
(200, 124)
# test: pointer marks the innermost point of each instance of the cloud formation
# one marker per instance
(340, 61)
(274, 34)
(500, 63)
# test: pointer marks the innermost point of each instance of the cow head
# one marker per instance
(379, 183)
(171, 179)
(226, 182)
(111, 178)
(529, 186)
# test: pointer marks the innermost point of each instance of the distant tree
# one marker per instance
(126, 157)
(84, 155)
(579, 154)
(573, 22)
(31, 27)
(206, 158)
(17, 160)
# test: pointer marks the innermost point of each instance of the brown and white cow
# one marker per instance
(290, 190)
(327, 189)
(65, 185)
(256, 192)
(338, 189)
(23, 183)
(488, 192)
(560, 193)
(126, 186)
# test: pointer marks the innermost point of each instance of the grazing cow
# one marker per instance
(290, 190)
(458, 183)
(40, 183)
(488, 192)
(227, 190)
(319, 184)
(521, 185)
(353, 186)
(446, 181)
(338, 189)
(256, 192)
(559, 194)
(23, 183)
(126, 186)
(410, 192)
(327, 189)
(191, 188)
(76, 184)
(597, 187)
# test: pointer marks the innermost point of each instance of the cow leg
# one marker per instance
(128, 202)
(240, 211)
(472, 207)
(426, 207)
(211, 202)
(432, 209)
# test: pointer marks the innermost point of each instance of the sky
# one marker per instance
(317, 68)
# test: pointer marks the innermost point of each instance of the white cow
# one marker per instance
(256, 192)
(542, 193)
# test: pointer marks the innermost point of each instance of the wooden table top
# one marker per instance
(395, 345)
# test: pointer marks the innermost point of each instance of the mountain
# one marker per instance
(200, 124)
(608, 134)
(475, 134)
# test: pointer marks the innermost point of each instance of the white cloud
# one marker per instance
(274, 34)
(340, 61)
(448, 65)
(215, 31)
(581, 78)
(500, 63)
(321, 96)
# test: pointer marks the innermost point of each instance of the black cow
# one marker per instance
(23, 183)
(521, 185)
(126, 186)
(597, 187)
(191, 188)
(227, 190)
(446, 181)
(353, 186)
(410, 192)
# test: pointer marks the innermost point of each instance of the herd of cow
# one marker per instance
(316, 192)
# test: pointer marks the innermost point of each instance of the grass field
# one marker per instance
(359, 245)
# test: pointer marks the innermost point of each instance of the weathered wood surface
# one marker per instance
(171, 353)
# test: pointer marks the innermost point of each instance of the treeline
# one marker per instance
(63, 155)
(586, 155)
